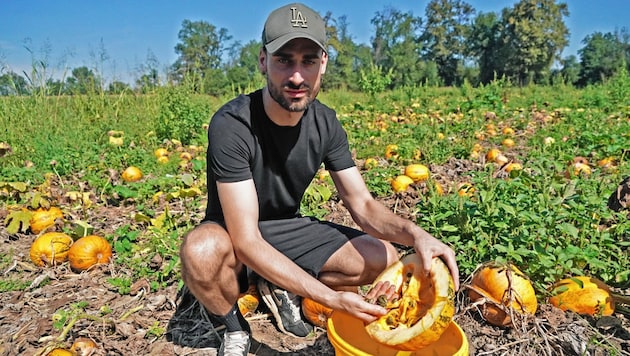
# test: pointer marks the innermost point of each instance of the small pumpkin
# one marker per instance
(89, 251)
(160, 152)
(492, 154)
(316, 313)
(504, 287)
(132, 174)
(50, 248)
(417, 172)
(391, 152)
(248, 301)
(424, 306)
(401, 183)
(42, 219)
(83, 346)
(583, 295)
(60, 352)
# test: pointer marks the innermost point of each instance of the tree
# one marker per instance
(118, 87)
(535, 34)
(486, 46)
(242, 70)
(570, 72)
(13, 84)
(343, 55)
(82, 81)
(200, 48)
(603, 54)
(448, 24)
(396, 45)
(149, 77)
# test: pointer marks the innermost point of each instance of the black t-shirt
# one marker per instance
(244, 143)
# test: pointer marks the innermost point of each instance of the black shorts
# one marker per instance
(307, 241)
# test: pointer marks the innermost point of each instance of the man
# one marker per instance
(263, 151)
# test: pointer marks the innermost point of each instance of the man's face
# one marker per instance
(294, 73)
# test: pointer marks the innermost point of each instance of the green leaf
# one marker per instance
(17, 220)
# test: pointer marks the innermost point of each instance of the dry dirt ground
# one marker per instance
(131, 324)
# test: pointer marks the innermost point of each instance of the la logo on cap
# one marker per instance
(297, 19)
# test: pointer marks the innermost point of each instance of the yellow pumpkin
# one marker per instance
(248, 301)
(160, 152)
(424, 306)
(417, 172)
(504, 287)
(41, 219)
(583, 295)
(316, 313)
(132, 174)
(50, 248)
(89, 251)
(370, 163)
(391, 152)
(401, 183)
(492, 154)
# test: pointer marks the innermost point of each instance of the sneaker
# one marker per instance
(285, 308)
(235, 343)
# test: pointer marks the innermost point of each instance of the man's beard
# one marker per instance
(299, 105)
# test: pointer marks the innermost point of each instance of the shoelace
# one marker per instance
(236, 343)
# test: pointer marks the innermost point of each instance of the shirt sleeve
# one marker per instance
(229, 148)
(338, 157)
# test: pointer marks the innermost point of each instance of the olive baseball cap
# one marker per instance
(290, 22)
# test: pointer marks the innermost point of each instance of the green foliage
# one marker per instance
(316, 195)
(374, 81)
(179, 116)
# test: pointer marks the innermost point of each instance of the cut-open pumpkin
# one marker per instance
(423, 308)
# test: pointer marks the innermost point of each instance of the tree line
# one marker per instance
(450, 45)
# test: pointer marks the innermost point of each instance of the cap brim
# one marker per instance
(275, 45)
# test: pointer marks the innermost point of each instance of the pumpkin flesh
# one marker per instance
(423, 310)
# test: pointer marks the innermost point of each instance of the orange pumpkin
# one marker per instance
(50, 248)
(42, 219)
(248, 301)
(83, 346)
(316, 313)
(89, 251)
(423, 308)
(504, 288)
(583, 295)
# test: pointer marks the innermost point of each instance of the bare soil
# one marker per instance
(147, 322)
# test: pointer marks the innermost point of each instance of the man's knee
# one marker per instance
(206, 242)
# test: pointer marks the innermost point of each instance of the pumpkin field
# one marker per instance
(96, 192)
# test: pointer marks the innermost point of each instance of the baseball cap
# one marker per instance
(290, 22)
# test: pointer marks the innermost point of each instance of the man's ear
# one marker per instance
(262, 61)
(324, 62)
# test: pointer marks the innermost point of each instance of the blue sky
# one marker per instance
(73, 33)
